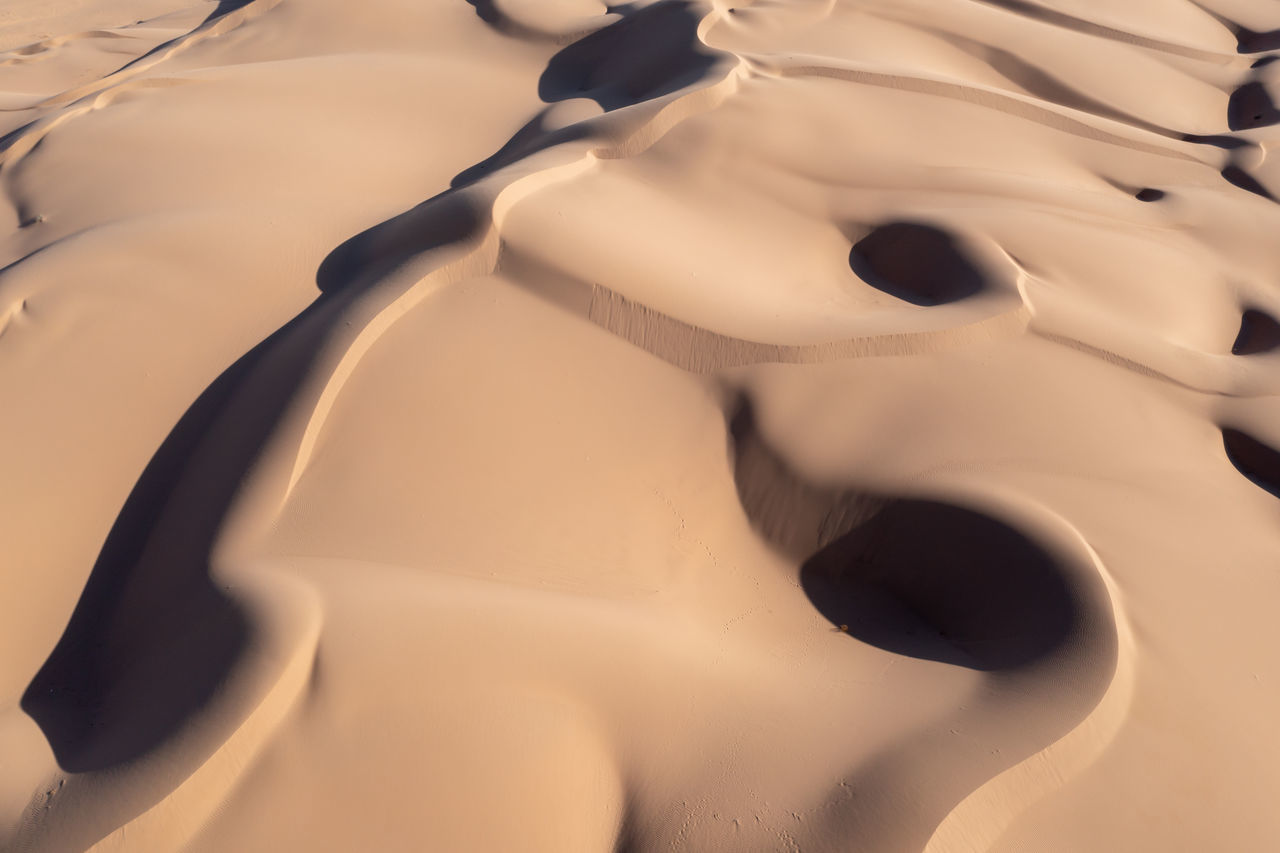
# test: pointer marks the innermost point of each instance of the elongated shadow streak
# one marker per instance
(223, 8)
(533, 137)
(1238, 177)
(649, 53)
(1247, 40)
(152, 636)
(1045, 86)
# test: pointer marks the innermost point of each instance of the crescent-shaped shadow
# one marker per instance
(915, 577)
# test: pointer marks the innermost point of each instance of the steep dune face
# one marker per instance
(666, 426)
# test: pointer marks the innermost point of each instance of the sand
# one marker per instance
(536, 425)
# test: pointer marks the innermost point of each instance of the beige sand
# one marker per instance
(531, 425)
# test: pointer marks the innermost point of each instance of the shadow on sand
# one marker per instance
(152, 636)
(914, 577)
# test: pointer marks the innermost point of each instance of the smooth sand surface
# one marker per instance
(536, 425)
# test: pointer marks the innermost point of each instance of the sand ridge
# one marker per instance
(217, 647)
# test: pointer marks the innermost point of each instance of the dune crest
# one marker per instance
(672, 425)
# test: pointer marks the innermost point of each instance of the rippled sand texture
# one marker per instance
(513, 425)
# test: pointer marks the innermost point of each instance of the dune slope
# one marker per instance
(820, 425)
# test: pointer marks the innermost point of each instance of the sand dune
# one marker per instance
(820, 425)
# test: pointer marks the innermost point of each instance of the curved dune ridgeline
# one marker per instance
(667, 426)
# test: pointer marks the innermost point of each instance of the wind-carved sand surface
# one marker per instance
(544, 426)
